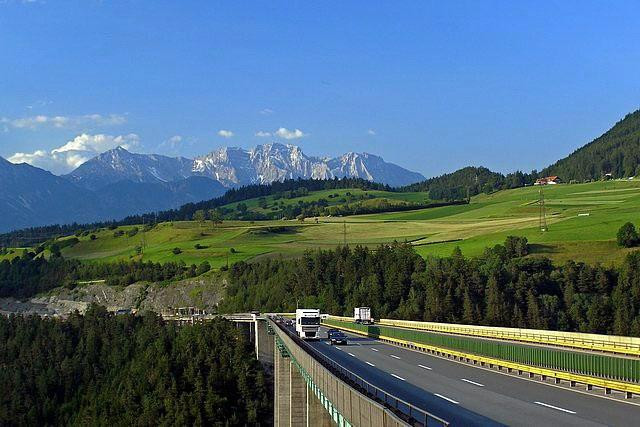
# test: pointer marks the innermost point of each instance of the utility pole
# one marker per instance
(143, 234)
(344, 232)
(542, 218)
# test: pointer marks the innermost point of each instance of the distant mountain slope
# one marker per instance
(31, 197)
(126, 198)
(617, 152)
(120, 165)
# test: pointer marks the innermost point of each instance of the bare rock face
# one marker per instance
(276, 162)
(202, 292)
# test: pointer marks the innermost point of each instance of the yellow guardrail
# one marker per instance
(594, 342)
(608, 385)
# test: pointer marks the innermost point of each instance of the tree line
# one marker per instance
(102, 369)
(502, 287)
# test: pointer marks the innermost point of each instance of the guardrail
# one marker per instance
(591, 369)
(330, 375)
(594, 342)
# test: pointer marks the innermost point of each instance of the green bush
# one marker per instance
(203, 268)
(627, 236)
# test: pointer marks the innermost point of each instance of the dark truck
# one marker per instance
(336, 336)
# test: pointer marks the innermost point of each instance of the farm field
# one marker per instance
(579, 217)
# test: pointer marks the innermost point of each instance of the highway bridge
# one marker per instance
(397, 373)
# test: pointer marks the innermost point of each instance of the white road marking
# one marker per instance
(370, 364)
(555, 407)
(351, 354)
(472, 382)
(394, 356)
(337, 348)
(446, 398)
(374, 349)
(400, 378)
(425, 367)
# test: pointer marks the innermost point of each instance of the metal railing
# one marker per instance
(592, 364)
(594, 342)
(409, 412)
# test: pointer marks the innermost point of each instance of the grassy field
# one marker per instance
(334, 197)
(14, 252)
(582, 223)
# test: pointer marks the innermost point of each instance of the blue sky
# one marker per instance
(432, 86)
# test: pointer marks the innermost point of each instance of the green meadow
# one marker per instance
(582, 223)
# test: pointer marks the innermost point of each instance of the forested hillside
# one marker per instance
(470, 181)
(101, 369)
(616, 152)
(500, 288)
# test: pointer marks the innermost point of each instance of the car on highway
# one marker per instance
(337, 337)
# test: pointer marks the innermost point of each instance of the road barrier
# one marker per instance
(594, 342)
(596, 369)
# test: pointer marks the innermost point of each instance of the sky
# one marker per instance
(430, 85)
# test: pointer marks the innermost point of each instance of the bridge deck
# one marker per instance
(444, 387)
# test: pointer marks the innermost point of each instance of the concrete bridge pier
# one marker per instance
(295, 405)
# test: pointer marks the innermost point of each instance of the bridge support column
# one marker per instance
(264, 344)
(317, 414)
(282, 392)
(298, 398)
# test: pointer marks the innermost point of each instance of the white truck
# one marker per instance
(308, 323)
(362, 315)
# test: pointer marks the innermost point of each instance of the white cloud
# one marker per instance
(371, 132)
(175, 139)
(172, 144)
(39, 121)
(290, 134)
(263, 134)
(225, 133)
(266, 111)
(75, 152)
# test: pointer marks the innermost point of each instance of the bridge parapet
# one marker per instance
(349, 399)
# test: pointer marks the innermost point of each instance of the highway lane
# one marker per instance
(469, 395)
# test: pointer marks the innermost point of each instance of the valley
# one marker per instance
(579, 216)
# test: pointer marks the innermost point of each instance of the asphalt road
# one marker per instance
(466, 395)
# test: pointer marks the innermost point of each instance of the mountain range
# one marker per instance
(234, 167)
(119, 183)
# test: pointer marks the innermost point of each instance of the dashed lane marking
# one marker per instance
(472, 382)
(555, 407)
(446, 398)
